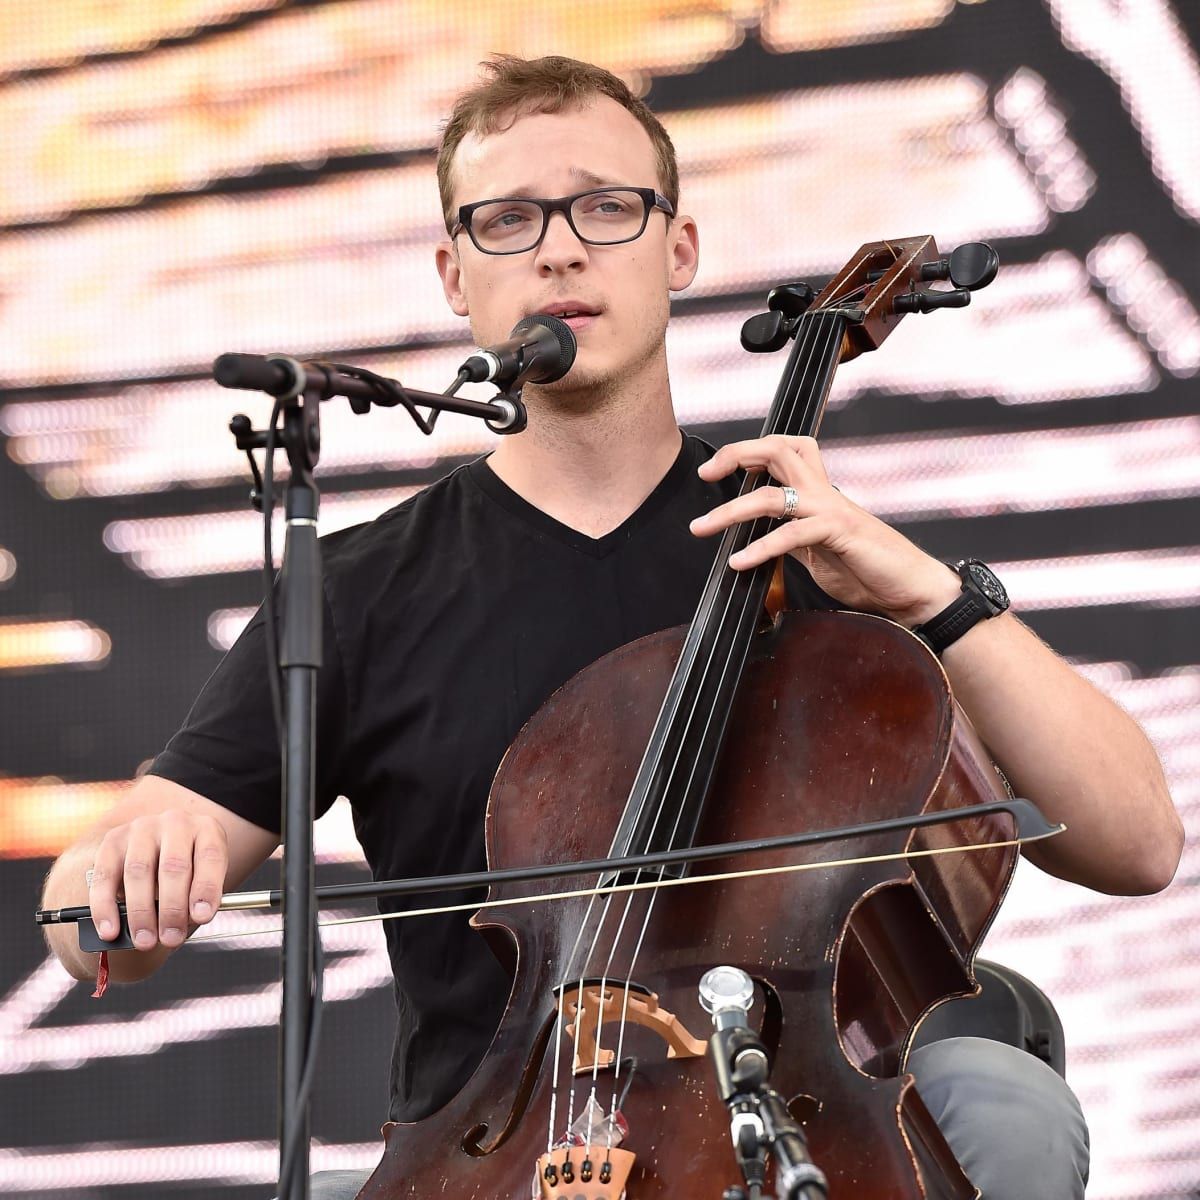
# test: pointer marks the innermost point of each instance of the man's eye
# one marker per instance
(607, 206)
(506, 220)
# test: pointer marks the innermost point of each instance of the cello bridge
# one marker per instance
(589, 1007)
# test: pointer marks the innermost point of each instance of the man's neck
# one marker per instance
(590, 466)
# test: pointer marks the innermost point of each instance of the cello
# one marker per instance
(753, 720)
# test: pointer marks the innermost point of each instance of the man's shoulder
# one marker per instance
(403, 528)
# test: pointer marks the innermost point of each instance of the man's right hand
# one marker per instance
(170, 853)
(169, 866)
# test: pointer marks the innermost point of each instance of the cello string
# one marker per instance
(785, 420)
(687, 727)
(730, 599)
(561, 1015)
(656, 884)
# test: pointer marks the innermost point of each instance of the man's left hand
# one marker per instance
(854, 557)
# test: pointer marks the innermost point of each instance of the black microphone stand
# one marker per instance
(299, 389)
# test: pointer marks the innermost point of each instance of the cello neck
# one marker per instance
(668, 796)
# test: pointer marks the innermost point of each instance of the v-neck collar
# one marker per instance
(496, 489)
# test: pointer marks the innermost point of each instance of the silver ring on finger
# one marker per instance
(791, 501)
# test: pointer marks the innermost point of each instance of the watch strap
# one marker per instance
(964, 612)
(982, 596)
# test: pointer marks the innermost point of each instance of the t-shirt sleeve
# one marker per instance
(227, 749)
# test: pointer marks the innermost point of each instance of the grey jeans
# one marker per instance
(1012, 1122)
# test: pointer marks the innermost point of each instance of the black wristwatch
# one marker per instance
(983, 596)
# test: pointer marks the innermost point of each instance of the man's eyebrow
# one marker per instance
(589, 178)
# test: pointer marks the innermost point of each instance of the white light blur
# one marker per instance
(357, 963)
(29, 645)
(8, 565)
(1039, 129)
(750, 166)
(154, 438)
(1152, 578)
(1147, 53)
(349, 261)
(916, 476)
(787, 28)
(911, 478)
(114, 1164)
(1153, 303)
(1038, 333)
(74, 28)
(225, 625)
(308, 84)
(174, 547)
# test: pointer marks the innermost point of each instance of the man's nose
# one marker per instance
(561, 248)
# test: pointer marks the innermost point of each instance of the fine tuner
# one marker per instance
(972, 266)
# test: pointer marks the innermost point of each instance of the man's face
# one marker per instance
(624, 288)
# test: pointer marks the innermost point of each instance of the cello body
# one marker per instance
(841, 718)
(597, 1083)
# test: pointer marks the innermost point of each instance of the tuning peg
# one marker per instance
(765, 332)
(791, 299)
(973, 265)
(927, 301)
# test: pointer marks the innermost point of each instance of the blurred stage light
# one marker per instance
(349, 260)
(798, 25)
(38, 35)
(1039, 333)
(1153, 303)
(175, 547)
(1039, 129)
(1145, 50)
(27, 645)
(1153, 578)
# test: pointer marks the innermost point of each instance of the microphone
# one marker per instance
(540, 349)
(759, 1118)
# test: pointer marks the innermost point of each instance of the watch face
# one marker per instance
(986, 581)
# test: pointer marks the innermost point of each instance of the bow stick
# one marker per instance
(1031, 825)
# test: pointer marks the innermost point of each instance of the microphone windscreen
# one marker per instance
(254, 372)
(557, 355)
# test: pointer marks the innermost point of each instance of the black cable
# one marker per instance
(292, 1137)
(268, 507)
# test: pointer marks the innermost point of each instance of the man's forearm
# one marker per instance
(1083, 760)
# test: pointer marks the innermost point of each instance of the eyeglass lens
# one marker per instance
(509, 226)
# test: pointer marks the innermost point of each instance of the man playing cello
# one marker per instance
(586, 531)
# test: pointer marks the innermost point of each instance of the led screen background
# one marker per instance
(192, 177)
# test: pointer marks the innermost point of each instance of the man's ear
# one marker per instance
(450, 271)
(684, 251)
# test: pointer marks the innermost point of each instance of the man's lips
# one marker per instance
(574, 313)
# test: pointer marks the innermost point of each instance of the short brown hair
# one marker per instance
(519, 87)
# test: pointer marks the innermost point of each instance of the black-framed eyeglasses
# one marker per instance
(600, 217)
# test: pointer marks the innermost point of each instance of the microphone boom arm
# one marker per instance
(279, 375)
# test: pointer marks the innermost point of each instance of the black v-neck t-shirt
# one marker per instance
(448, 621)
